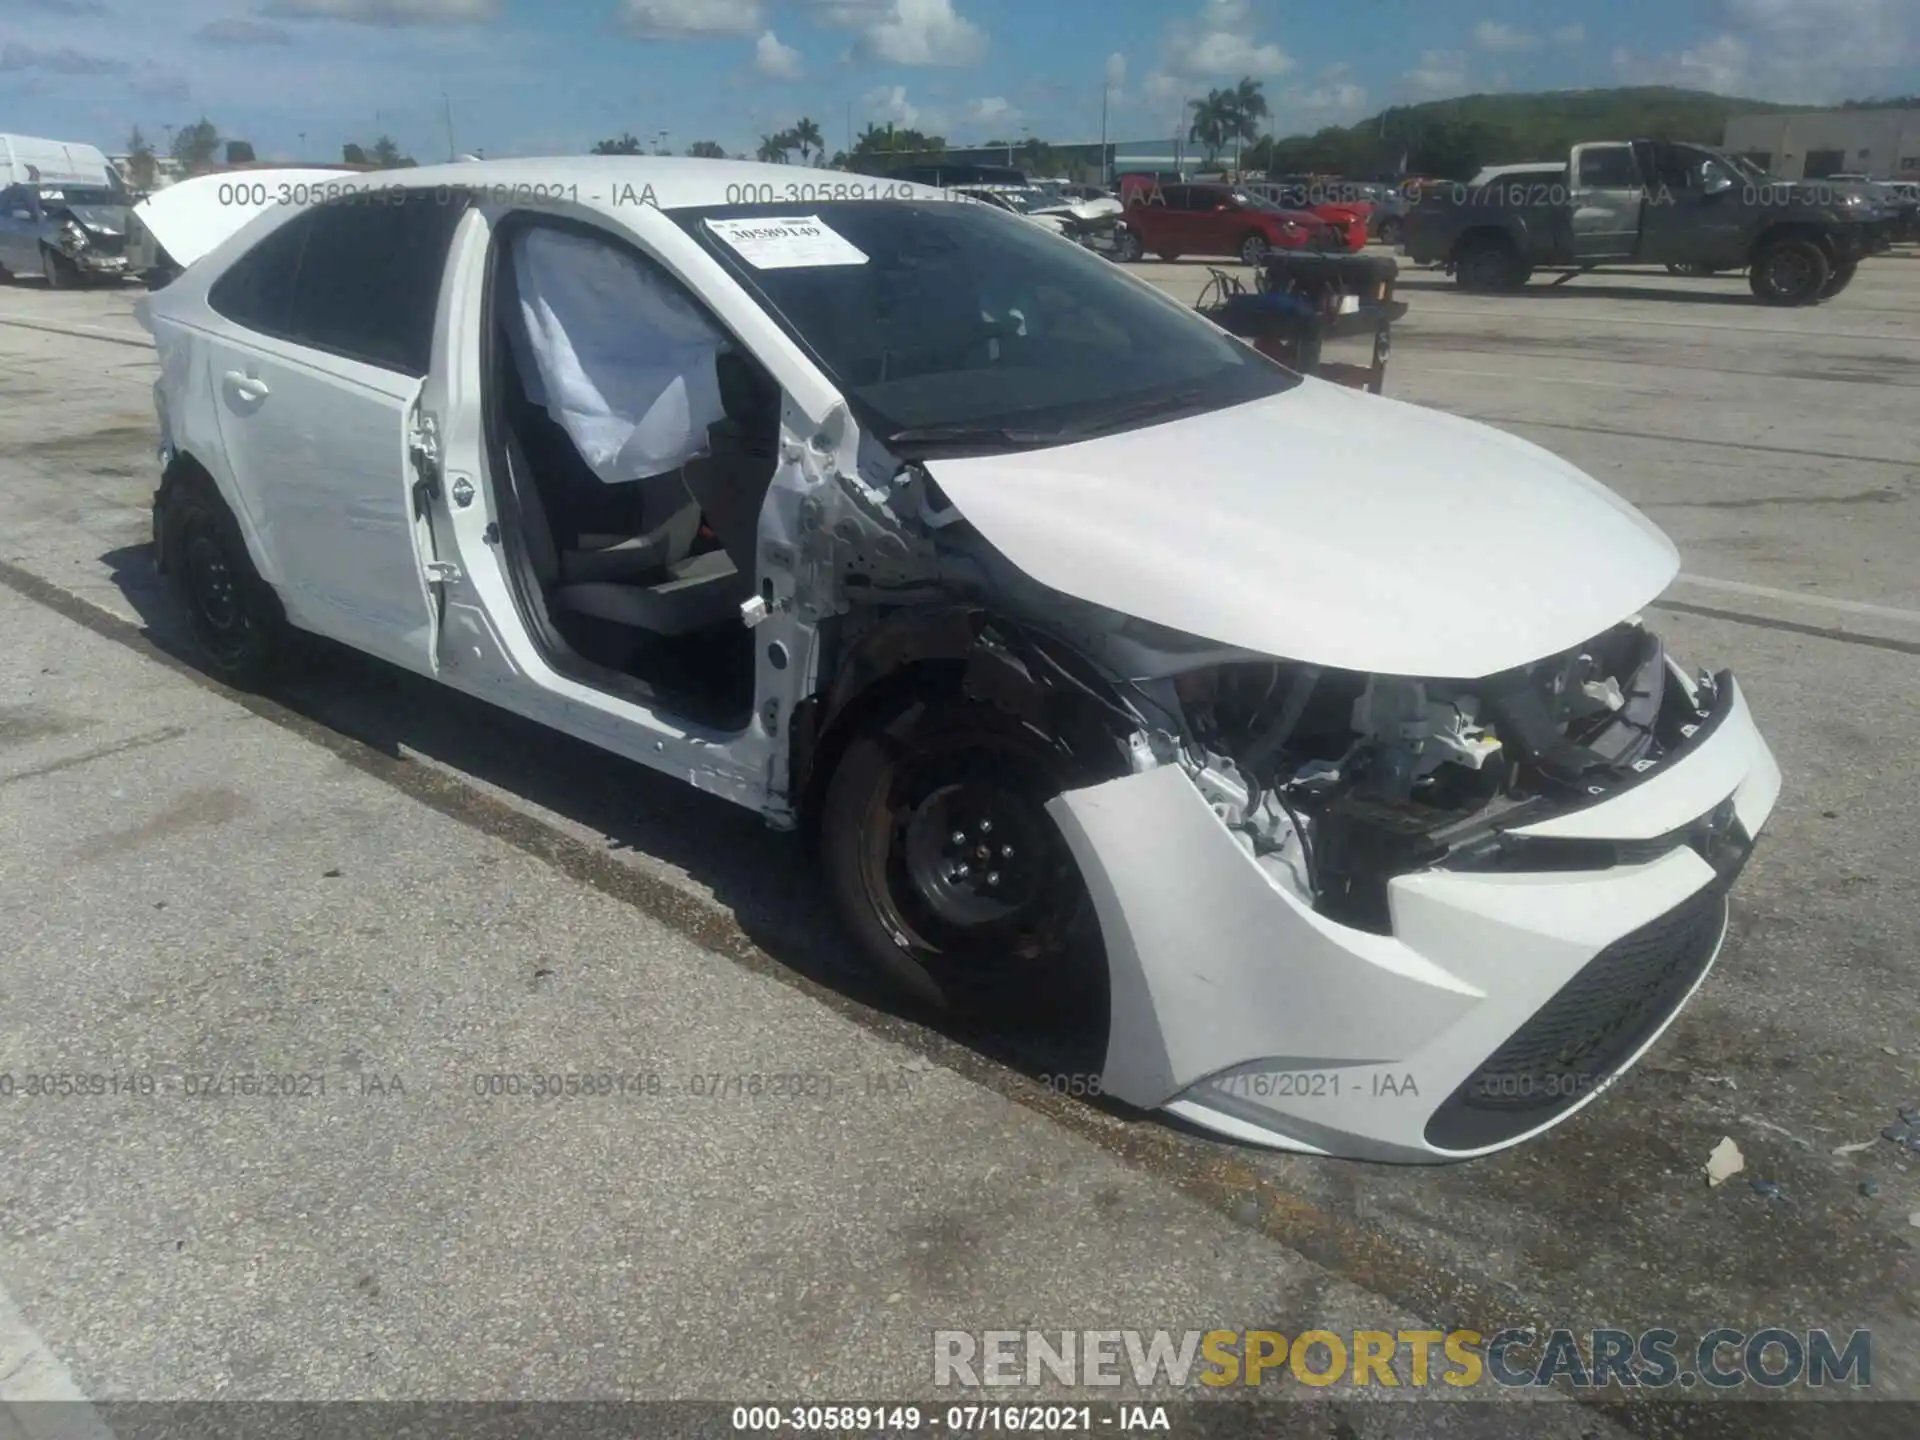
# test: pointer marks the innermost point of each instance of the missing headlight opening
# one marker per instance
(1337, 781)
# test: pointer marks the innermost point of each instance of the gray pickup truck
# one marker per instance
(1648, 202)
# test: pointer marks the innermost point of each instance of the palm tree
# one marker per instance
(773, 148)
(626, 143)
(807, 136)
(1249, 109)
(1214, 122)
(706, 150)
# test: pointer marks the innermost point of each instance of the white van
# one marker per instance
(27, 159)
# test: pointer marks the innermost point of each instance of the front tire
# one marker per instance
(1790, 272)
(1127, 247)
(61, 272)
(236, 619)
(1841, 277)
(950, 875)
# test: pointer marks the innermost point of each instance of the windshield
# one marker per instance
(79, 195)
(982, 330)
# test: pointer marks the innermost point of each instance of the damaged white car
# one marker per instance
(1339, 790)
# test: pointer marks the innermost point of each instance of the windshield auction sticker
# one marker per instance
(787, 242)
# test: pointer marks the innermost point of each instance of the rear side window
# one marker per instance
(257, 290)
(359, 278)
(370, 279)
(1609, 169)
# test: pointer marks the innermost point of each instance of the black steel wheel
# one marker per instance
(61, 273)
(1790, 272)
(951, 875)
(1490, 266)
(235, 617)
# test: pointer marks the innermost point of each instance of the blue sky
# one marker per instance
(299, 77)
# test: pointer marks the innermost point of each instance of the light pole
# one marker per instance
(446, 107)
(1106, 176)
(660, 143)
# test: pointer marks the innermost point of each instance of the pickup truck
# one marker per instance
(1648, 202)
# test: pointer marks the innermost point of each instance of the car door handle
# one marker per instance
(247, 387)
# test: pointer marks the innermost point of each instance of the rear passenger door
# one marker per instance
(318, 378)
(1606, 198)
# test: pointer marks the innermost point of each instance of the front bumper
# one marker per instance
(1502, 1003)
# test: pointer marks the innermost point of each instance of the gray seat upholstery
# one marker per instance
(691, 595)
(672, 599)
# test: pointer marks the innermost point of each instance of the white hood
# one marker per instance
(194, 217)
(1327, 526)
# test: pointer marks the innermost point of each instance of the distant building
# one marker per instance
(1813, 144)
(1079, 160)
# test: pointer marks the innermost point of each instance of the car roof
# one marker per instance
(676, 182)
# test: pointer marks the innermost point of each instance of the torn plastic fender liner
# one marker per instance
(1212, 965)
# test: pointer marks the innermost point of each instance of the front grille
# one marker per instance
(1581, 1037)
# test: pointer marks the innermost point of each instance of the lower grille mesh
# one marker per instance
(1581, 1036)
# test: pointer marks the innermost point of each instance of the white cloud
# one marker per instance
(889, 106)
(383, 12)
(1806, 51)
(1575, 34)
(676, 19)
(989, 112)
(1220, 43)
(241, 32)
(1116, 69)
(1504, 39)
(919, 32)
(1440, 72)
(775, 60)
(61, 61)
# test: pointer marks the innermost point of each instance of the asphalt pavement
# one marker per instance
(383, 897)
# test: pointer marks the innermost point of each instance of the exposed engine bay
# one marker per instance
(1338, 781)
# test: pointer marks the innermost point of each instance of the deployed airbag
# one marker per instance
(618, 358)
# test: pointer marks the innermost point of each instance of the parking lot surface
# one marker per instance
(407, 893)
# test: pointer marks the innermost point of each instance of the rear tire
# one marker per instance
(1491, 267)
(1841, 277)
(1693, 269)
(237, 621)
(1254, 250)
(1127, 247)
(995, 923)
(1790, 272)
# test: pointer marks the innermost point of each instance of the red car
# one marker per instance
(1174, 218)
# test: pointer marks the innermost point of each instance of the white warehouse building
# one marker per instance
(1813, 144)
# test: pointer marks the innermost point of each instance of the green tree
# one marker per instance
(806, 135)
(141, 163)
(353, 154)
(386, 155)
(707, 150)
(240, 152)
(773, 148)
(195, 146)
(626, 144)
(1214, 122)
(1248, 108)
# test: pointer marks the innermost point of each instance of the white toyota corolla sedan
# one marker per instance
(1338, 787)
